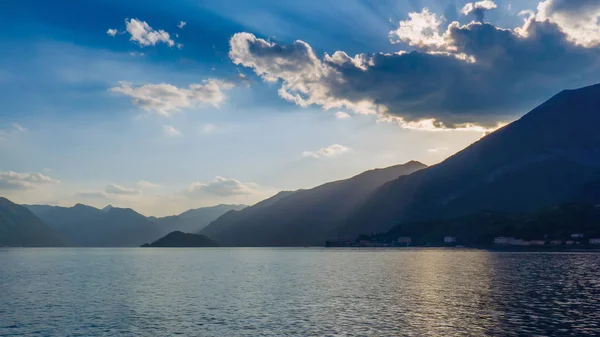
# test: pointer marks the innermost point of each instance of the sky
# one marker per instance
(165, 106)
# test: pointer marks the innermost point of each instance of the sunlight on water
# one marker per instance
(296, 292)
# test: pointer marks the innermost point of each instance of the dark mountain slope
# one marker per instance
(303, 217)
(84, 226)
(545, 158)
(194, 220)
(180, 239)
(21, 228)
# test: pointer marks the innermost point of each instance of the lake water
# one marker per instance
(296, 292)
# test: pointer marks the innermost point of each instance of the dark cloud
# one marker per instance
(473, 74)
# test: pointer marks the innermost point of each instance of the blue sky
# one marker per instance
(118, 102)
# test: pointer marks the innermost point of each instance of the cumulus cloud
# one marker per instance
(341, 115)
(112, 32)
(422, 29)
(181, 24)
(470, 76)
(117, 189)
(144, 35)
(220, 186)
(478, 9)
(171, 131)
(21, 181)
(579, 19)
(166, 98)
(330, 151)
(146, 184)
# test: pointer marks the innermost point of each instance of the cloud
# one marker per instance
(18, 127)
(478, 9)
(579, 19)
(208, 128)
(221, 187)
(341, 115)
(146, 184)
(171, 131)
(112, 32)
(91, 195)
(166, 98)
(117, 189)
(308, 154)
(21, 181)
(330, 151)
(181, 24)
(420, 30)
(470, 77)
(180, 46)
(437, 149)
(144, 35)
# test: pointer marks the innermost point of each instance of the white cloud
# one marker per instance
(437, 149)
(117, 189)
(144, 35)
(18, 127)
(166, 98)
(136, 54)
(330, 151)
(421, 29)
(341, 115)
(221, 187)
(208, 128)
(146, 184)
(19, 181)
(308, 154)
(112, 32)
(478, 8)
(181, 24)
(180, 46)
(171, 131)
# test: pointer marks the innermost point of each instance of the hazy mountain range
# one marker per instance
(549, 157)
(194, 220)
(20, 227)
(87, 226)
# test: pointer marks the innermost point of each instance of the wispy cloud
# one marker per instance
(171, 131)
(329, 151)
(166, 98)
(20, 181)
(221, 187)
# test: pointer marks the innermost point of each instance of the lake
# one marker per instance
(296, 292)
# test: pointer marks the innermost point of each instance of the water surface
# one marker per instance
(296, 292)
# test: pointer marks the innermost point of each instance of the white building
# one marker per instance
(449, 239)
(595, 241)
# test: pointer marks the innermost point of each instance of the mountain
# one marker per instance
(304, 217)
(194, 220)
(20, 227)
(86, 226)
(180, 239)
(548, 157)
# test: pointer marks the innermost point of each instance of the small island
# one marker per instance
(181, 239)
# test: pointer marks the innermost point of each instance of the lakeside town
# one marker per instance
(574, 240)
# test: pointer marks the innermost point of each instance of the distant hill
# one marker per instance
(87, 226)
(180, 239)
(304, 217)
(193, 220)
(548, 157)
(21, 228)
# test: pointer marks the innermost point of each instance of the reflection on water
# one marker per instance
(296, 292)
